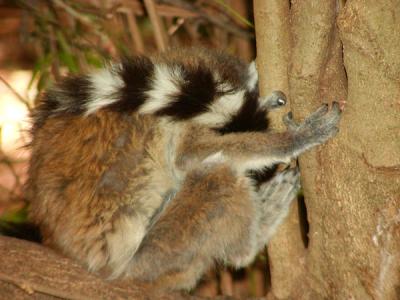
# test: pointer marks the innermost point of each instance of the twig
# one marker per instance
(55, 66)
(174, 11)
(159, 29)
(20, 98)
(234, 13)
(84, 19)
(228, 26)
(174, 27)
(134, 31)
(71, 11)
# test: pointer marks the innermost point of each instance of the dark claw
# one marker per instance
(288, 121)
(322, 110)
(324, 107)
(336, 105)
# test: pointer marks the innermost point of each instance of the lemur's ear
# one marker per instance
(252, 79)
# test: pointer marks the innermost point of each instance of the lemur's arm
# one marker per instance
(264, 148)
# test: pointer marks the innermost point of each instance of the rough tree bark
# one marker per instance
(32, 271)
(273, 52)
(352, 184)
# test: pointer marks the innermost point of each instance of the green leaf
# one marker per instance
(41, 65)
(94, 59)
(16, 216)
(65, 54)
(69, 60)
(44, 80)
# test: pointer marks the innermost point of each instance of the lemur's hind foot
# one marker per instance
(276, 196)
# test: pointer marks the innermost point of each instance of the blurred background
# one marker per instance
(42, 40)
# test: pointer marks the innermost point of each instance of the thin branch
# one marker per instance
(216, 20)
(84, 19)
(174, 27)
(234, 13)
(159, 29)
(71, 11)
(134, 30)
(19, 97)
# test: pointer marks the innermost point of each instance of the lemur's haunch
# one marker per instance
(146, 169)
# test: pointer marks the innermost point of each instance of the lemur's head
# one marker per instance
(204, 86)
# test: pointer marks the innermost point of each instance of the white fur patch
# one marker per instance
(166, 82)
(215, 158)
(229, 104)
(222, 109)
(105, 85)
(124, 241)
(253, 75)
(258, 163)
(211, 119)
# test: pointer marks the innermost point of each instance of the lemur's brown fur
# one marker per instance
(160, 192)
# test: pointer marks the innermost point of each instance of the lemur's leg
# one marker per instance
(211, 218)
(250, 150)
(274, 198)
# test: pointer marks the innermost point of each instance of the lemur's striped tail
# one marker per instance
(212, 92)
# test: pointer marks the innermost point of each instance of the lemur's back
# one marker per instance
(85, 171)
(143, 168)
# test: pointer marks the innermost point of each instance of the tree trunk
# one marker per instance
(273, 52)
(352, 184)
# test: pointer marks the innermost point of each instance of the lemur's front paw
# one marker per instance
(318, 127)
(275, 100)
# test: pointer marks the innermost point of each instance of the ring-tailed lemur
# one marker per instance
(143, 169)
